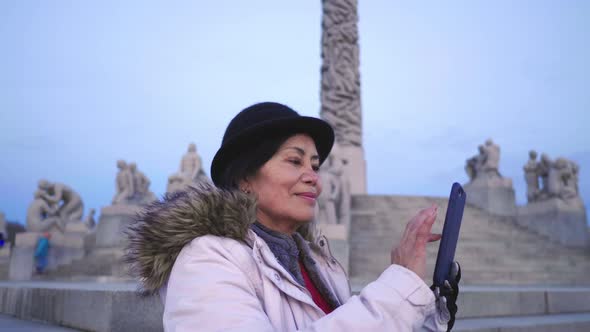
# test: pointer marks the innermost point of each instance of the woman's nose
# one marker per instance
(310, 177)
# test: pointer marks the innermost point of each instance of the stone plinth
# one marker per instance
(22, 260)
(356, 169)
(113, 222)
(63, 249)
(5, 253)
(338, 236)
(494, 195)
(563, 222)
(100, 307)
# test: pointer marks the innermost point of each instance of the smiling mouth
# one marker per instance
(308, 197)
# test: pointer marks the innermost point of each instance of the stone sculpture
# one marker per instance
(141, 185)
(486, 163)
(340, 83)
(474, 164)
(334, 202)
(132, 195)
(559, 178)
(124, 184)
(70, 204)
(191, 171)
(89, 220)
(43, 216)
(531, 176)
(487, 188)
(132, 186)
(554, 208)
(54, 206)
(340, 87)
(327, 201)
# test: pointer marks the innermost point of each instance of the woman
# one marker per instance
(243, 256)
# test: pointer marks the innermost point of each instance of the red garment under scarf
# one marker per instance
(315, 294)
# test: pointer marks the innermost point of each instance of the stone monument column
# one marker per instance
(341, 88)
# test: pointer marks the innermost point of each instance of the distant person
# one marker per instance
(42, 252)
(1, 240)
(244, 256)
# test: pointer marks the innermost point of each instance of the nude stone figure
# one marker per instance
(190, 165)
(124, 184)
(42, 216)
(531, 176)
(141, 185)
(474, 165)
(334, 202)
(492, 158)
(327, 201)
(89, 220)
(72, 207)
(566, 173)
(191, 171)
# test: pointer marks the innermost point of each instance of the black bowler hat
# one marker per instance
(260, 121)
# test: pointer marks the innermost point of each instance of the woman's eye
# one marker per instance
(316, 168)
(295, 161)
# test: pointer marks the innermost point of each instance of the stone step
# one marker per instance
(492, 261)
(89, 266)
(489, 246)
(122, 309)
(506, 301)
(545, 323)
(87, 306)
(523, 277)
(11, 324)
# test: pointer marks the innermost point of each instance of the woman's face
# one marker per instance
(287, 185)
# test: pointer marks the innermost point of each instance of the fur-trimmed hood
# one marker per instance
(162, 229)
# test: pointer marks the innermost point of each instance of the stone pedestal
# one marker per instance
(63, 249)
(113, 222)
(338, 236)
(356, 169)
(22, 260)
(494, 195)
(563, 222)
(5, 256)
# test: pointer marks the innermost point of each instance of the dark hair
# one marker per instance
(250, 159)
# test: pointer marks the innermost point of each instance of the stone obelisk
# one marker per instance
(341, 87)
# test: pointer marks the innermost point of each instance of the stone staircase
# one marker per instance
(514, 280)
(492, 250)
(95, 266)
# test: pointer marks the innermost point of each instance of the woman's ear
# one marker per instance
(244, 186)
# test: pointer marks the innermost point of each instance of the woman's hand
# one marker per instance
(411, 251)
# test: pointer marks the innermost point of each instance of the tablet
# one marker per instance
(450, 234)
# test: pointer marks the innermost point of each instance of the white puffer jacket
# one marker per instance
(214, 277)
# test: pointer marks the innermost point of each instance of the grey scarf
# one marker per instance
(287, 249)
(283, 247)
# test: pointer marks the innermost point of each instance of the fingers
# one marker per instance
(455, 273)
(448, 285)
(434, 237)
(424, 217)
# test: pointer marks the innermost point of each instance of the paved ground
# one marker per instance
(11, 324)
(82, 285)
(563, 322)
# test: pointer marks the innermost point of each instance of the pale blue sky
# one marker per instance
(84, 83)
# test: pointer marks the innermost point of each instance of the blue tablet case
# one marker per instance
(450, 234)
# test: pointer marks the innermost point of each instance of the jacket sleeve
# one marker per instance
(207, 291)
(397, 301)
